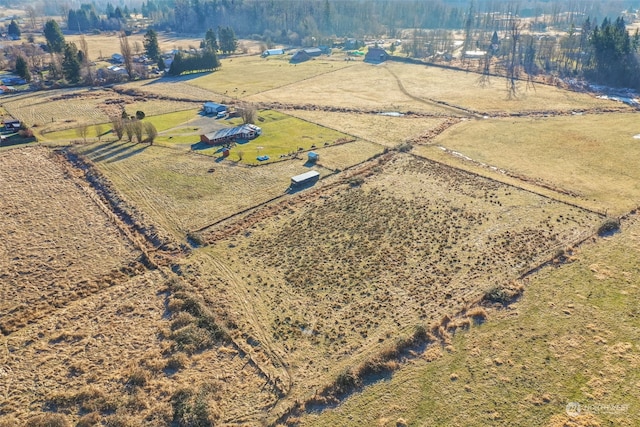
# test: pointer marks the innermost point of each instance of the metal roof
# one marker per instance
(305, 176)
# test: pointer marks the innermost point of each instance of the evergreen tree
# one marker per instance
(14, 29)
(614, 60)
(53, 34)
(228, 40)
(71, 63)
(22, 69)
(150, 42)
(210, 41)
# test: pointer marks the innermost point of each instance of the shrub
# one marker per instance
(498, 295)
(404, 147)
(137, 377)
(356, 181)
(608, 227)
(140, 115)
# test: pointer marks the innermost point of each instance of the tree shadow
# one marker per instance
(127, 154)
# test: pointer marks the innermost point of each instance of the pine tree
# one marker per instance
(14, 29)
(53, 34)
(22, 69)
(71, 63)
(228, 40)
(150, 42)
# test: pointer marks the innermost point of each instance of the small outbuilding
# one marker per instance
(12, 125)
(305, 178)
(272, 52)
(312, 157)
(213, 108)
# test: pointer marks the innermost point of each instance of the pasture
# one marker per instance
(592, 156)
(183, 191)
(568, 339)
(328, 281)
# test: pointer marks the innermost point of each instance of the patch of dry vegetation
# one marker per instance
(568, 339)
(56, 244)
(357, 266)
(384, 130)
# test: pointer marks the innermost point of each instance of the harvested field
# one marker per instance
(385, 130)
(56, 244)
(593, 156)
(183, 191)
(362, 263)
(342, 156)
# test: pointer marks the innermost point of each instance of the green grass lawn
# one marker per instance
(162, 123)
(571, 338)
(282, 135)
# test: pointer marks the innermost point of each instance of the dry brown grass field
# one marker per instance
(384, 130)
(570, 338)
(329, 281)
(566, 152)
(57, 244)
(226, 299)
(61, 109)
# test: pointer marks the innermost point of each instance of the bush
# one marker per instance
(140, 115)
(497, 294)
(405, 147)
(608, 227)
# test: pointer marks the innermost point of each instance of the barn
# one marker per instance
(213, 108)
(300, 56)
(305, 178)
(376, 55)
(228, 135)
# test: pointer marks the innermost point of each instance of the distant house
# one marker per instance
(272, 52)
(12, 125)
(305, 179)
(353, 44)
(213, 108)
(117, 58)
(228, 135)
(300, 56)
(376, 55)
(313, 51)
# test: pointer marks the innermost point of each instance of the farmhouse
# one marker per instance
(224, 136)
(213, 108)
(12, 125)
(376, 55)
(305, 178)
(117, 58)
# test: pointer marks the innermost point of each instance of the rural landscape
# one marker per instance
(389, 213)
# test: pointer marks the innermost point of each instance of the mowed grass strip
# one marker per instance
(570, 338)
(592, 155)
(162, 123)
(239, 77)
